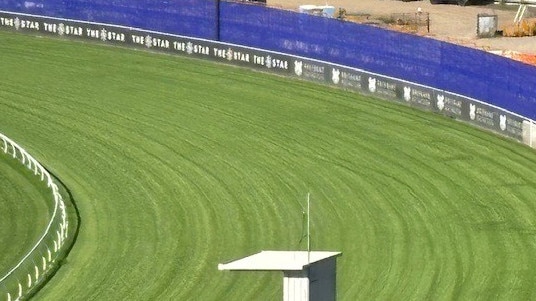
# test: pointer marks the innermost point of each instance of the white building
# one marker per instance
(307, 276)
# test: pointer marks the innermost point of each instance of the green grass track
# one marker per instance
(25, 207)
(177, 165)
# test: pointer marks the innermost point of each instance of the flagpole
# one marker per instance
(308, 228)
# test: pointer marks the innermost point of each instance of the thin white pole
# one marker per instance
(530, 132)
(308, 228)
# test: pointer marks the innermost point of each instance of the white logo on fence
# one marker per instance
(372, 84)
(61, 29)
(268, 62)
(502, 123)
(335, 75)
(407, 93)
(229, 54)
(148, 41)
(440, 102)
(472, 111)
(17, 23)
(103, 35)
(189, 48)
(298, 68)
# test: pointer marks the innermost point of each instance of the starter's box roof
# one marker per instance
(277, 261)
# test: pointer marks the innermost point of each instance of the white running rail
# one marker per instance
(33, 267)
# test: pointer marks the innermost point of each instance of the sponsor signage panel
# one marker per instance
(383, 87)
(480, 114)
(417, 96)
(511, 125)
(242, 56)
(64, 28)
(347, 78)
(247, 57)
(494, 119)
(449, 105)
(310, 70)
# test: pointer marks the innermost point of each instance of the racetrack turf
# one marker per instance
(177, 165)
(25, 209)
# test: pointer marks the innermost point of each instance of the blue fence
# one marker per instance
(474, 73)
(194, 18)
(487, 77)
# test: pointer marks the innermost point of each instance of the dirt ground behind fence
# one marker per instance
(447, 22)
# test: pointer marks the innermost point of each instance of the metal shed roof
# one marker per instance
(277, 261)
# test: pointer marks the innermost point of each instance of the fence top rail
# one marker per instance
(55, 194)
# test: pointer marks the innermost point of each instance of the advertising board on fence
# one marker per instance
(347, 78)
(418, 96)
(137, 38)
(449, 105)
(415, 95)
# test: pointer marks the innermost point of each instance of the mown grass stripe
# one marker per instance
(180, 164)
(25, 209)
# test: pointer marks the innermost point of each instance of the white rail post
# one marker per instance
(36, 269)
(530, 132)
(14, 150)
(44, 264)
